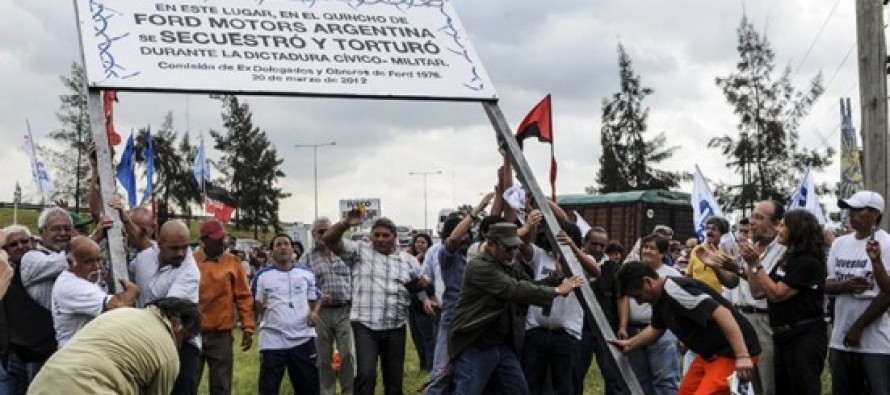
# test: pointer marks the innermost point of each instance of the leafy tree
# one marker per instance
(765, 152)
(175, 187)
(68, 155)
(628, 159)
(250, 167)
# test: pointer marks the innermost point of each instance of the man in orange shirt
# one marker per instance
(223, 289)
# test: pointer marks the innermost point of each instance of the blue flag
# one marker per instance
(202, 169)
(149, 155)
(126, 172)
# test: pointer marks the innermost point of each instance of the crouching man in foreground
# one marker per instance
(722, 339)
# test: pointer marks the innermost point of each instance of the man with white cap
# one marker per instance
(860, 339)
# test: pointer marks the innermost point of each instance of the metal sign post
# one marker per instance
(398, 49)
(116, 243)
(585, 293)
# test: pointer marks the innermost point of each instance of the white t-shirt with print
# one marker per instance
(847, 258)
(565, 312)
(286, 295)
(75, 302)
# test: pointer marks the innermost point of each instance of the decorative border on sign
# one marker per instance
(101, 16)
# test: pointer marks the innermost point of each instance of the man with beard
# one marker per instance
(450, 266)
(489, 316)
(383, 279)
(167, 269)
(77, 298)
(224, 289)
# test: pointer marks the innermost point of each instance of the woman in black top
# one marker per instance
(795, 291)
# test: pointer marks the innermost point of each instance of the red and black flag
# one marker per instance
(218, 202)
(539, 123)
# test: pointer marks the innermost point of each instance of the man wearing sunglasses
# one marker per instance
(18, 373)
(489, 319)
(32, 336)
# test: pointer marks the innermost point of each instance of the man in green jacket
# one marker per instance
(489, 319)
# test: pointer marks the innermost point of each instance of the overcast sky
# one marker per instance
(529, 48)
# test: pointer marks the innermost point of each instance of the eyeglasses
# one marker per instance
(597, 244)
(511, 248)
(17, 243)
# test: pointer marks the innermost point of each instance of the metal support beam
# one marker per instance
(116, 243)
(570, 263)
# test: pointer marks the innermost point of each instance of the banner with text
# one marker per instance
(370, 48)
(370, 209)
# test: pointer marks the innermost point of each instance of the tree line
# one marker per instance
(764, 150)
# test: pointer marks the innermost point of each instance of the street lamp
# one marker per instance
(315, 167)
(425, 210)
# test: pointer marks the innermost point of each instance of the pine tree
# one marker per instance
(628, 158)
(250, 168)
(67, 156)
(765, 152)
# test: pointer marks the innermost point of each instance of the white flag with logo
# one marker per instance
(703, 203)
(39, 172)
(805, 197)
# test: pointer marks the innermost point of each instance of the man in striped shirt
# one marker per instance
(383, 279)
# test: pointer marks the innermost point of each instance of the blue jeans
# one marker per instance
(656, 365)
(494, 370)
(423, 335)
(438, 379)
(16, 375)
(859, 373)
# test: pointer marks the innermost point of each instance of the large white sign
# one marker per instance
(371, 48)
(370, 209)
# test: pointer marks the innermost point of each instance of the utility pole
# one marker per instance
(426, 214)
(873, 95)
(315, 167)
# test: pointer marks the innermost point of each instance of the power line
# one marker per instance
(816, 37)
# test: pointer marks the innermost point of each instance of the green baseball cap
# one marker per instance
(506, 233)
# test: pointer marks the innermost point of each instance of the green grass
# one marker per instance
(247, 368)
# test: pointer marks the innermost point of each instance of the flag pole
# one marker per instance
(594, 312)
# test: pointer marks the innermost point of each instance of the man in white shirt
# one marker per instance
(859, 347)
(168, 269)
(76, 296)
(289, 296)
(750, 300)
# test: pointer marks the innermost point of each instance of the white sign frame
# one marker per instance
(411, 49)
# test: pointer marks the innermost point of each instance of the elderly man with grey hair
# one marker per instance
(40, 267)
(32, 338)
(331, 316)
(383, 279)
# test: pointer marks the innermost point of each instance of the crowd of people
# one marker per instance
(488, 303)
